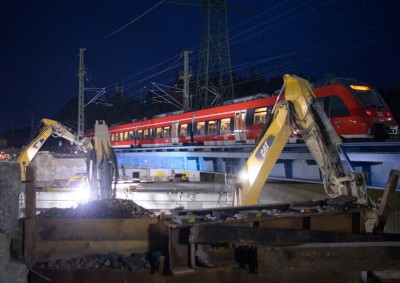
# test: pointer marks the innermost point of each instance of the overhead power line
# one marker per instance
(128, 24)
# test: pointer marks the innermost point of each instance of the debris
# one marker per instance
(342, 202)
(205, 256)
(110, 260)
(106, 208)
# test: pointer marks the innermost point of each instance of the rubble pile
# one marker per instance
(99, 261)
(107, 208)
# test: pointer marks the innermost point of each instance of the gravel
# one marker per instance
(110, 260)
(107, 208)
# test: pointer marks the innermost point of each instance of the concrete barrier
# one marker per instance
(10, 187)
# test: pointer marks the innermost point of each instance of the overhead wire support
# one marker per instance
(166, 97)
(95, 99)
(187, 98)
(81, 95)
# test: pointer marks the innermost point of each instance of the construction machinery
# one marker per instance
(100, 157)
(299, 114)
(74, 182)
(287, 242)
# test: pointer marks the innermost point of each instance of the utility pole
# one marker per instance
(81, 97)
(187, 97)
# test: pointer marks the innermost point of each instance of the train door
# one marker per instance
(135, 137)
(240, 126)
(174, 132)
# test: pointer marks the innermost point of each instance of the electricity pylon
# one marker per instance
(214, 78)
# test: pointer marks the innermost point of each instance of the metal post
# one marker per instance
(187, 98)
(81, 98)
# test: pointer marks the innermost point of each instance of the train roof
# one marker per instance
(246, 98)
(171, 113)
(228, 102)
(333, 81)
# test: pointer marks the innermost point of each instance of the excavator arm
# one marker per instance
(101, 161)
(299, 114)
(49, 128)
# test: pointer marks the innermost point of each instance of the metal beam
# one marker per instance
(375, 159)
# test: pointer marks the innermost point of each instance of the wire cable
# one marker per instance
(128, 24)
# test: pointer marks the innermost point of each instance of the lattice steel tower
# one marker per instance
(214, 77)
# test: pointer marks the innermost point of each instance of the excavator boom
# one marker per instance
(50, 128)
(101, 161)
(301, 115)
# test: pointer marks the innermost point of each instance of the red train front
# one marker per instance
(356, 110)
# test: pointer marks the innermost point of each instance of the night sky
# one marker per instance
(40, 43)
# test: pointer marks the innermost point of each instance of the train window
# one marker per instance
(145, 134)
(166, 132)
(212, 127)
(158, 133)
(130, 135)
(121, 136)
(370, 98)
(225, 126)
(112, 137)
(239, 120)
(140, 134)
(183, 130)
(201, 128)
(126, 136)
(334, 106)
(260, 115)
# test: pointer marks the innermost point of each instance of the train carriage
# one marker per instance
(357, 112)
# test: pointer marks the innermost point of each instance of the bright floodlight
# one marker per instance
(243, 176)
(82, 193)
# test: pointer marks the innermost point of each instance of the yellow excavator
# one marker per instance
(299, 114)
(101, 160)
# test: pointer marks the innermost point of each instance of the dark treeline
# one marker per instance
(118, 108)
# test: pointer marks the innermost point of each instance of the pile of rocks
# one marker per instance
(106, 208)
(98, 261)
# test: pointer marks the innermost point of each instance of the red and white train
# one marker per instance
(356, 110)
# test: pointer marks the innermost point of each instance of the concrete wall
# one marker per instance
(48, 167)
(10, 187)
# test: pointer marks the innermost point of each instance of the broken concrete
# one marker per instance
(50, 167)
